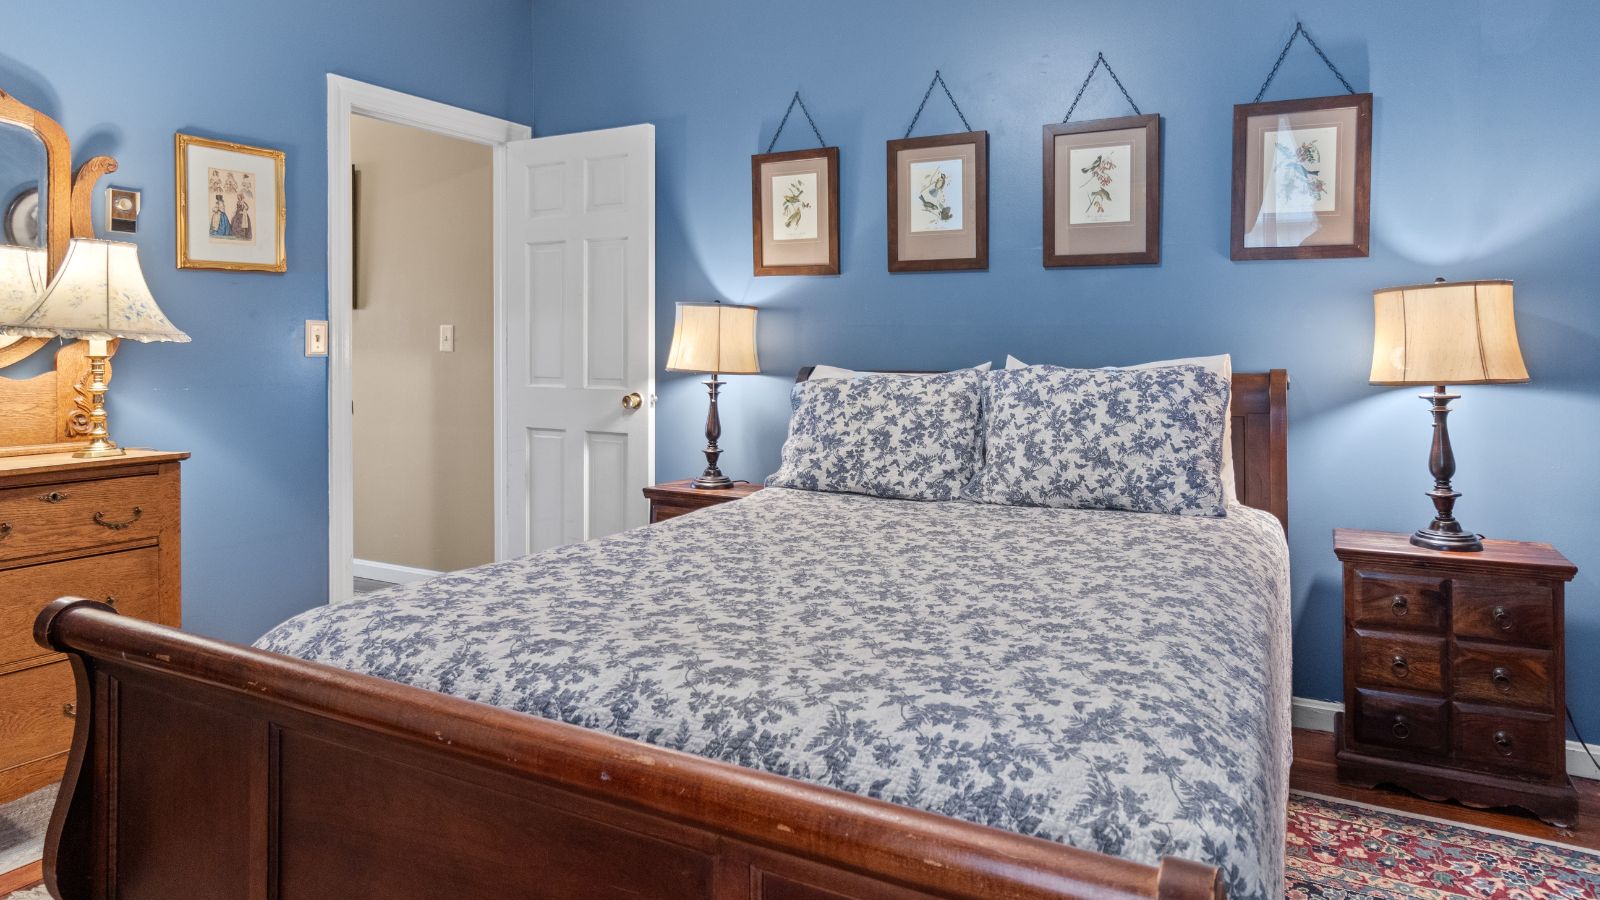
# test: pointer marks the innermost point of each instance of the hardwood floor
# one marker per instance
(1314, 773)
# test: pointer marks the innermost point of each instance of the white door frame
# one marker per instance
(347, 97)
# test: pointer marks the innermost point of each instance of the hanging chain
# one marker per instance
(809, 120)
(1299, 29)
(1099, 60)
(939, 80)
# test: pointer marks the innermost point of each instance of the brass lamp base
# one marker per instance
(100, 443)
(100, 448)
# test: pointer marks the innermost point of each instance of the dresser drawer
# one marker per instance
(1517, 676)
(1509, 740)
(1412, 662)
(1405, 723)
(52, 518)
(34, 723)
(130, 581)
(1387, 600)
(1517, 612)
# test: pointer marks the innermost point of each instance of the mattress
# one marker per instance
(1114, 681)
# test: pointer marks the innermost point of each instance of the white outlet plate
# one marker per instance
(316, 337)
(447, 339)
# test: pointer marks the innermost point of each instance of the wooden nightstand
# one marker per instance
(674, 498)
(1454, 671)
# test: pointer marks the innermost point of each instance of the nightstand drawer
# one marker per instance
(1517, 612)
(660, 512)
(1515, 742)
(1486, 673)
(1411, 662)
(1388, 600)
(1419, 724)
(79, 514)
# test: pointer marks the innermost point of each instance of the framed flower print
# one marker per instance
(1102, 192)
(939, 202)
(795, 212)
(230, 212)
(1302, 178)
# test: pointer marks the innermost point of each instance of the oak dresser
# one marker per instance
(1454, 671)
(105, 529)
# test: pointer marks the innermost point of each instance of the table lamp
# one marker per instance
(99, 295)
(1441, 334)
(714, 338)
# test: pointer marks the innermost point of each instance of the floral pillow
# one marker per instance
(883, 435)
(1148, 440)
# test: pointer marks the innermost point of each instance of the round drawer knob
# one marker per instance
(1400, 667)
(5, 530)
(1502, 618)
(70, 710)
(1402, 728)
(1503, 743)
(1400, 605)
(1502, 679)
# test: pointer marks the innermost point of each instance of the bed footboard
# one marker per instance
(211, 770)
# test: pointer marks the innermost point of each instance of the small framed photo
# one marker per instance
(939, 203)
(230, 206)
(1302, 178)
(795, 212)
(1102, 192)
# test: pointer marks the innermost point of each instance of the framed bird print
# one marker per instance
(1302, 178)
(939, 202)
(230, 212)
(795, 212)
(1102, 192)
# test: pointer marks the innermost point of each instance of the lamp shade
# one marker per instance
(23, 271)
(1461, 332)
(99, 294)
(714, 337)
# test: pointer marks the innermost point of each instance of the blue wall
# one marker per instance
(122, 78)
(1482, 168)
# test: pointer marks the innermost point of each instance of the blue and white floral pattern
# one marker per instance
(1147, 440)
(1115, 681)
(883, 435)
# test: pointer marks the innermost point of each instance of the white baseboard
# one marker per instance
(1317, 715)
(393, 573)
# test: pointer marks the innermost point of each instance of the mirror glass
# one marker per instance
(23, 262)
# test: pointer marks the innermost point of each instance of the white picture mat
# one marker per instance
(198, 161)
(806, 229)
(922, 220)
(1325, 140)
(1119, 208)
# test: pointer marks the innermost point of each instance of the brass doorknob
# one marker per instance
(632, 401)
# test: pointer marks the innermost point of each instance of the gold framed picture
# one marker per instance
(230, 209)
(795, 212)
(939, 202)
(1102, 192)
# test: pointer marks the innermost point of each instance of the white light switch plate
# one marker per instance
(447, 339)
(316, 337)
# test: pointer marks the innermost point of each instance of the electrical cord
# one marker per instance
(1579, 734)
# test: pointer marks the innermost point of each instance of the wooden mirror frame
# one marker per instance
(49, 413)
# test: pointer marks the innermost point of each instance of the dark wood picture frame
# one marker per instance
(1151, 254)
(758, 220)
(1362, 174)
(979, 141)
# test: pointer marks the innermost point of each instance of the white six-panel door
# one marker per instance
(579, 337)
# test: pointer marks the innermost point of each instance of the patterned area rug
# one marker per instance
(1340, 850)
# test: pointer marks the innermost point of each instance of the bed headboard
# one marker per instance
(1260, 438)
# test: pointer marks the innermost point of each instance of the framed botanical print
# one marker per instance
(230, 209)
(1102, 192)
(1302, 178)
(795, 212)
(939, 202)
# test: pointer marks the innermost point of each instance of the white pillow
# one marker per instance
(1221, 365)
(820, 372)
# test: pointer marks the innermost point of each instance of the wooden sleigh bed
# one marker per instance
(204, 769)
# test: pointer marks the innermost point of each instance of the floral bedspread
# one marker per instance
(1116, 681)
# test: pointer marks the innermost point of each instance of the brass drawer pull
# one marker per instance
(53, 497)
(1502, 679)
(111, 600)
(1402, 728)
(1503, 743)
(1400, 667)
(1502, 618)
(5, 530)
(100, 519)
(70, 710)
(1400, 605)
